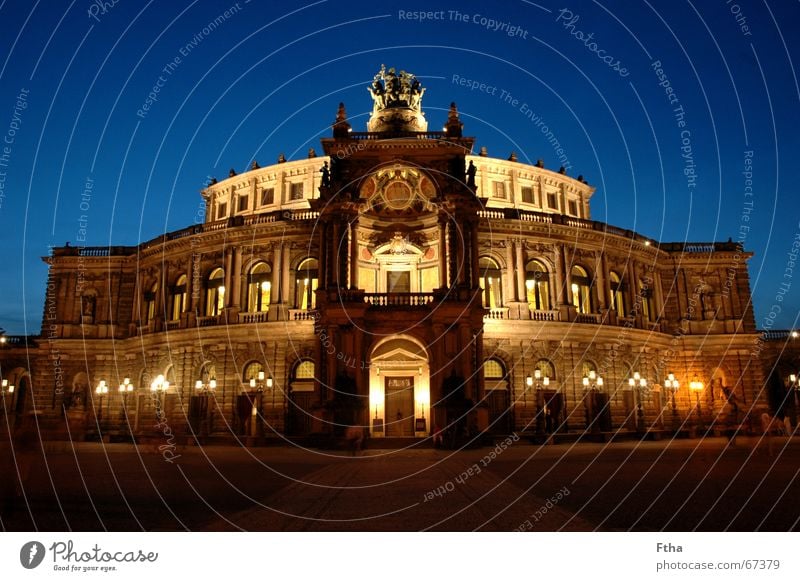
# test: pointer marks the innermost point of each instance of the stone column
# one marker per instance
(658, 292)
(453, 254)
(600, 277)
(522, 295)
(236, 277)
(567, 276)
(474, 273)
(286, 289)
(442, 252)
(509, 284)
(335, 263)
(559, 276)
(277, 283)
(354, 253)
(228, 266)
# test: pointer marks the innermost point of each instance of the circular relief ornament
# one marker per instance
(398, 195)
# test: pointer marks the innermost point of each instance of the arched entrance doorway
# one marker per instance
(399, 389)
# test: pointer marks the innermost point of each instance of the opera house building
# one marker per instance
(403, 281)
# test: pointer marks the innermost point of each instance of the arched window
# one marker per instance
(304, 370)
(149, 307)
(251, 371)
(178, 302)
(536, 286)
(648, 307)
(259, 288)
(215, 292)
(491, 286)
(493, 370)
(207, 373)
(587, 369)
(581, 289)
(545, 366)
(306, 284)
(617, 293)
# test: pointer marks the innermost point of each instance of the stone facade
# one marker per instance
(370, 285)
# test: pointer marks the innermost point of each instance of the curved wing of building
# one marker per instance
(400, 283)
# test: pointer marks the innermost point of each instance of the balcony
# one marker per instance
(590, 318)
(254, 317)
(497, 313)
(545, 315)
(398, 299)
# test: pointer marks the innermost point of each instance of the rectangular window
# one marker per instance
(296, 193)
(500, 190)
(222, 211)
(267, 197)
(573, 207)
(244, 203)
(552, 201)
(398, 281)
(527, 195)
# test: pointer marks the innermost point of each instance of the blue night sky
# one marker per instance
(267, 78)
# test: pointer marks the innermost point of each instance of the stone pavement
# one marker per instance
(395, 490)
(643, 486)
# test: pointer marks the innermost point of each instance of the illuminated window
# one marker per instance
(546, 368)
(267, 197)
(493, 369)
(537, 287)
(259, 288)
(150, 304)
(296, 192)
(491, 286)
(527, 195)
(215, 292)
(617, 288)
(648, 307)
(306, 284)
(573, 207)
(177, 298)
(581, 290)
(499, 190)
(304, 370)
(251, 371)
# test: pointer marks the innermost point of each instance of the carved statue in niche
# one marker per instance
(88, 305)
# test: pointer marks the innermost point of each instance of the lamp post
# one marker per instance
(541, 407)
(591, 383)
(158, 387)
(125, 389)
(794, 385)
(672, 385)
(697, 386)
(203, 391)
(101, 390)
(257, 415)
(7, 390)
(638, 384)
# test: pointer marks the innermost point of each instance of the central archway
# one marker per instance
(399, 388)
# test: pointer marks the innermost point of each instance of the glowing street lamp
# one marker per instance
(672, 385)
(125, 389)
(158, 387)
(638, 384)
(101, 390)
(696, 386)
(591, 383)
(7, 390)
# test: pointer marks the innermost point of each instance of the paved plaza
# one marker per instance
(678, 485)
